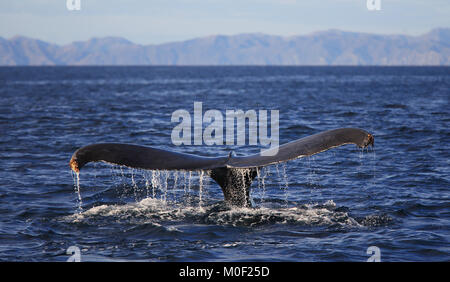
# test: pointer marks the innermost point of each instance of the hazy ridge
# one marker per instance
(332, 47)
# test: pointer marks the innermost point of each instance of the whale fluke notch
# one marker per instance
(233, 174)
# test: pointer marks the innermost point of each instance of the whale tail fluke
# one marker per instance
(233, 174)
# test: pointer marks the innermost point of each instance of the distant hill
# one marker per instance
(332, 47)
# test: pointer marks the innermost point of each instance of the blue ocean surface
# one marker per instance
(333, 206)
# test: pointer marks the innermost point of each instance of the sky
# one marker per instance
(160, 21)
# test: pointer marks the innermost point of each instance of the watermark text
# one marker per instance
(190, 131)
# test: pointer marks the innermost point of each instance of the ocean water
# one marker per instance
(333, 206)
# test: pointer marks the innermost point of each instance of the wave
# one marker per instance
(157, 212)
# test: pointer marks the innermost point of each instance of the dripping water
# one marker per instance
(175, 183)
(243, 173)
(134, 185)
(188, 191)
(184, 183)
(200, 191)
(258, 178)
(263, 173)
(147, 183)
(312, 177)
(155, 182)
(76, 181)
(122, 181)
(285, 184)
(165, 185)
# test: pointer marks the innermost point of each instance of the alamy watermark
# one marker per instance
(373, 5)
(213, 133)
(73, 5)
(375, 254)
(75, 254)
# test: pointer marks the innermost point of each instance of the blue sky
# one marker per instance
(159, 21)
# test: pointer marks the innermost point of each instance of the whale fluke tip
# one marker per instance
(74, 165)
(370, 141)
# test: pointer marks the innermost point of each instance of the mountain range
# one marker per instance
(331, 47)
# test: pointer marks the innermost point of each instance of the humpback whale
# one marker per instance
(234, 174)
